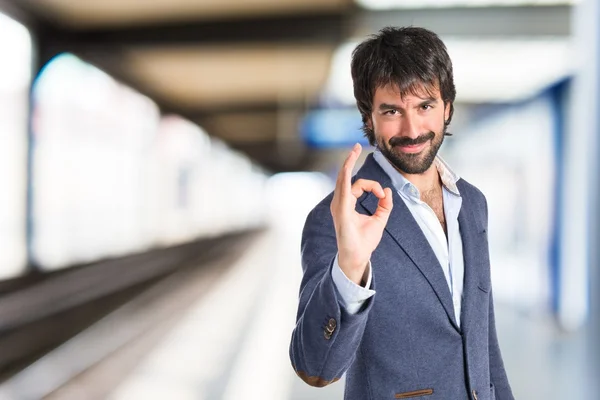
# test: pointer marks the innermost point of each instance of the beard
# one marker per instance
(412, 163)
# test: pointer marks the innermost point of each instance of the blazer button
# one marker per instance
(332, 324)
(327, 335)
(474, 395)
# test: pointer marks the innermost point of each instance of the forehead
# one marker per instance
(415, 93)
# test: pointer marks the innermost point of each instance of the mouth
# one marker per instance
(412, 148)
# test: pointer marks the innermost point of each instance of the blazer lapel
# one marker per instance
(408, 235)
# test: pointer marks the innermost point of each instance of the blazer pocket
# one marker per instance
(414, 393)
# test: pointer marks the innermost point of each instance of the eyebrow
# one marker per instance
(427, 100)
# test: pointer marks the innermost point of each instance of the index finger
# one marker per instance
(344, 180)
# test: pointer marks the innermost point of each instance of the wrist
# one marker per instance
(357, 272)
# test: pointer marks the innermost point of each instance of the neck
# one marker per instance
(426, 181)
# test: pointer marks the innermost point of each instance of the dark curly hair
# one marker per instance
(412, 59)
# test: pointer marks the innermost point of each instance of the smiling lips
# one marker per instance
(412, 148)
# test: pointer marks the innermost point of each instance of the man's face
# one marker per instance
(409, 130)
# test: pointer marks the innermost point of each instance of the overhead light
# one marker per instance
(400, 4)
(485, 70)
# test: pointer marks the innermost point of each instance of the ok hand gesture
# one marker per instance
(357, 235)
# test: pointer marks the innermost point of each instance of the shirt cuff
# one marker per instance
(352, 296)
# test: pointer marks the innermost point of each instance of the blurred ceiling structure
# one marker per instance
(248, 70)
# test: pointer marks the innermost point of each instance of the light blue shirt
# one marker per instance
(448, 250)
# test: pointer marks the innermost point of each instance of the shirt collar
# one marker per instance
(449, 178)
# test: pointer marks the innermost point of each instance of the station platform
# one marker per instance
(223, 333)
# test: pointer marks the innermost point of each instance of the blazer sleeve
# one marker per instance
(326, 336)
(498, 375)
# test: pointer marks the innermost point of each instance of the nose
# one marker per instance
(410, 126)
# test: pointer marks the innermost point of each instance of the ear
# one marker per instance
(447, 108)
(369, 122)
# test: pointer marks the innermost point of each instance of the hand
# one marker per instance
(357, 235)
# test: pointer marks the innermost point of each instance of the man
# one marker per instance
(396, 289)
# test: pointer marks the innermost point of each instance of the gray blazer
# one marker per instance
(404, 342)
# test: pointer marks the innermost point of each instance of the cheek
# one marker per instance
(434, 122)
(385, 131)
(385, 126)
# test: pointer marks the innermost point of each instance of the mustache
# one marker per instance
(406, 141)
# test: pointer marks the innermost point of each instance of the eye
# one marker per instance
(390, 112)
(426, 107)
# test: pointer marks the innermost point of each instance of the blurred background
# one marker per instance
(158, 159)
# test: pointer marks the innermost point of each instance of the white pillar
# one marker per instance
(578, 239)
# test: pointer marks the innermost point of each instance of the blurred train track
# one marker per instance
(37, 318)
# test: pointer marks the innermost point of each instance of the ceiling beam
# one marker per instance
(303, 28)
(21, 12)
(107, 45)
(329, 27)
(255, 107)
